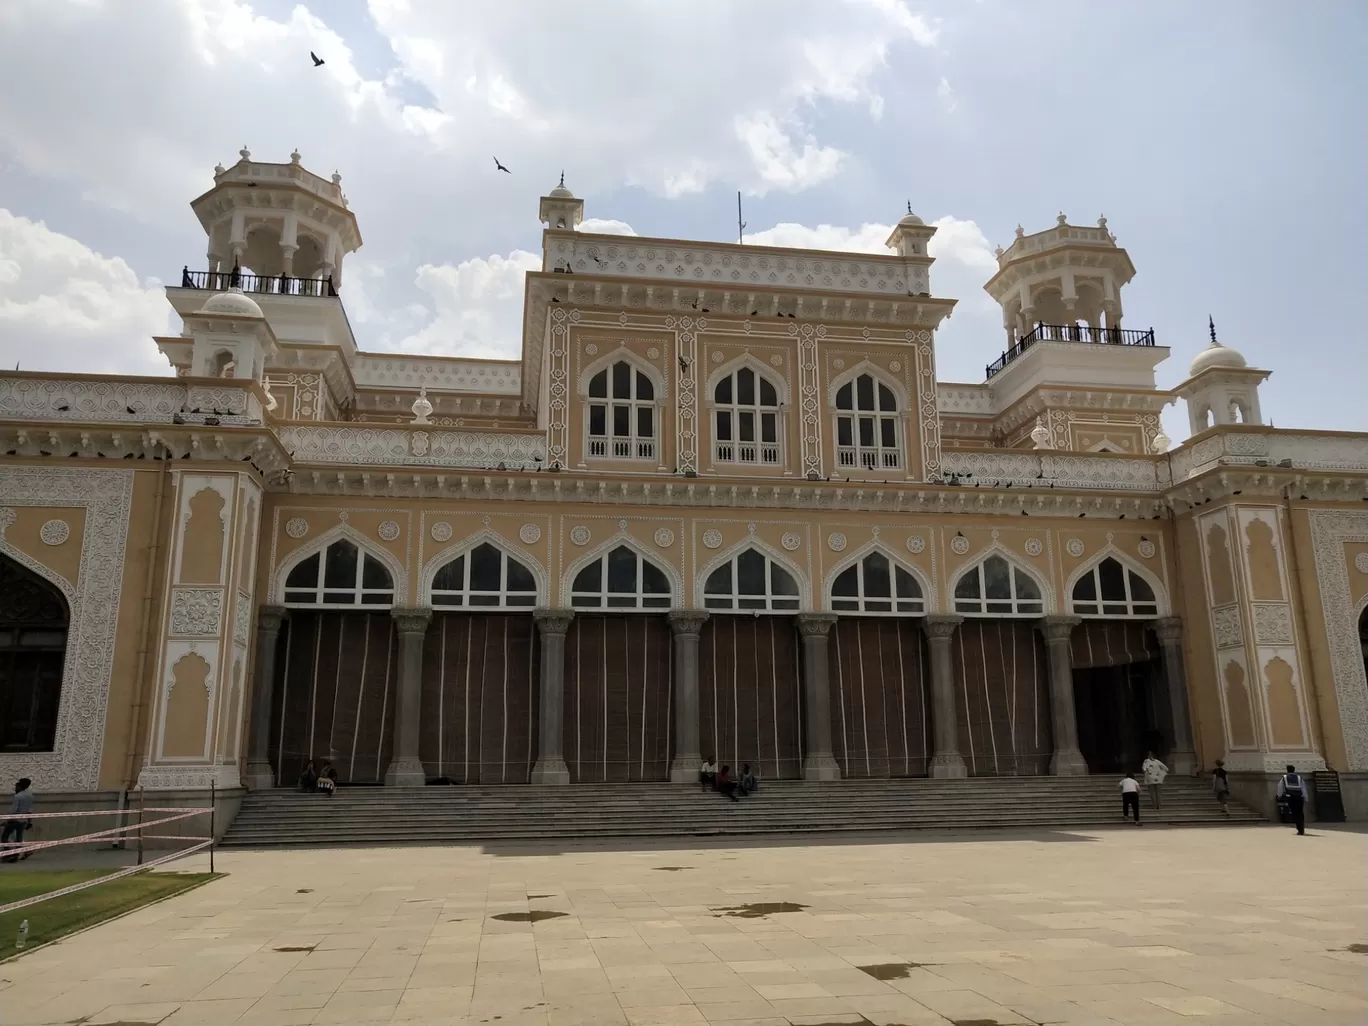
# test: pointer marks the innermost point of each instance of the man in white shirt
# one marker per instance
(1155, 772)
(1130, 797)
(1292, 786)
(707, 774)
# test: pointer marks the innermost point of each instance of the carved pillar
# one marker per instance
(1067, 760)
(405, 768)
(260, 775)
(946, 760)
(819, 763)
(686, 624)
(550, 767)
(1174, 705)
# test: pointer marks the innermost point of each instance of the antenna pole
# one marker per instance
(740, 224)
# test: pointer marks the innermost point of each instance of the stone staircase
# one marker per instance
(525, 813)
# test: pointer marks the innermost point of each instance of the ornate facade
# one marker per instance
(721, 506)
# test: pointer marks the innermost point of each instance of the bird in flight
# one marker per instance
(318, 61)
(501, 167)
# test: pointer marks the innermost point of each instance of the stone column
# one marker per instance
(1067, 760)
(405, 768)
(1182, 759)
(260, 775)
(686, 624)
(550, 767)
(946, 761)
(819, 763)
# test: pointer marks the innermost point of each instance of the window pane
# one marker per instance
(645, 390)
(907, 584)
(876, 582)
(996, 583)
(339, 566)
(968, 607)
(653, 580)
(1119, 609)
(339, 598)
(844, 431)
(745, 387)
(723, 392)
(598, 385)
(590, 578)
(374, 576)
(446, 600)
(784, 604)
(623, 601)
(484, 600)
(598, 420)
(1113, 581)
(1028, 607)
(1146, 609)
(305, 575)
(846, 583)
(769, 428)
(866, 430)
(484, 568)
(746, 426)
(750, 603)
(717, 603)
(886, 402)
(622, 570)
(782, 582)
(1140, 589)
(843, 398)
(864, 392)
(299, 596)
(878, 606)
(372, 598)
(451, 577)
(1025, 587)
(661, 602)
(998, 607)
(968, 585)
(1086, 589)
(645, 422)
(622, 421)
(1085, 607)
(768, 397)
(622, 380)
(519, 577)
(844, 604)
(719, 582)
(888, 437)
(723, 426)
(750, 573)
(586, 601)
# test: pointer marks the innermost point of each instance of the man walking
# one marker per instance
(1155, 772)
(21, 805)
(1292, 787)
(1220, 784)
(1130, 797)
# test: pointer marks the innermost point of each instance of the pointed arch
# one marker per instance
(879, 374)
(623, 540)
(746, 405)
(467, 545)
(1110, 551)
(781, 383)
(868, 409)
(1048, 604)
(398, 573)
(659, 382)
(623, 414)
(930, 599)
(771, 553)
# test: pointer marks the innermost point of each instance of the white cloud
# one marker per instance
(946, 94)
(64, 307)
(605, 226)
(476, 305)
(777, 159)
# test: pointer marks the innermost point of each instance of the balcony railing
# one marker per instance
(276, 285)
(622, 448)
(1071, 333)
(867, 459)
(747, 452)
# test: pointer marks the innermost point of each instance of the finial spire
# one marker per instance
(1211, 323)
(562, 181)
(909, 206)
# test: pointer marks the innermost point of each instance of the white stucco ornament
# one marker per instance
(422, 408)
(836, 541)
(712, 539)
(1361, 562)
(440, 531)
(1074, 547)
(664, 537)
(959, 544)
(530, 534)
(591, 350)
(776, 360)
(296, 527)
(388, 530)
(54, 532)
(1146, 549)
(791, 541)
(1033, 547)
(1040, 435)
(916, 543)
(579, 535)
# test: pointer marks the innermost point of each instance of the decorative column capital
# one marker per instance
(1058, 628)
(1169, 630)
(816, 625)
(269, 618)
(941, 626)
(411, 621)
(553, 621)
(687, 622)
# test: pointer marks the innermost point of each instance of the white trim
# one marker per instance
(1330, 531)
(1110, 550)
(398, 574)
(879, 374)
(771, 374)
(952, 577)
(606, 361)
(929, 597)
(601, 551)
(464, 547)
(753, 542)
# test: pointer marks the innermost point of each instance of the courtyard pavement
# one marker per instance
(1148, 926)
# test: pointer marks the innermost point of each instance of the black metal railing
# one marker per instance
(276, 285)
(1071, 333)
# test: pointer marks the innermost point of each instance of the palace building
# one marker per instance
(720, 506)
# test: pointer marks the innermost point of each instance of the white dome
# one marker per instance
(911, 218)
(232, 303)
(561, 192)
(1215, 355)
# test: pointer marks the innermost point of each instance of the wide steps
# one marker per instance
(467, 814)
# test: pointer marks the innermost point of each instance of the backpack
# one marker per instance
(1292, 784)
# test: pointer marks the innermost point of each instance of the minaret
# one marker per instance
(910, 237)
(1221, 388)
(559, 210)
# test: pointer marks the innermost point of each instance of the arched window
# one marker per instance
(867, 425)
(750, 580)
(746, 418)
(33, 634)
(995, 586)
(484, 577)
(877, 585)
(622, 413)
(340, 575)
(1109, 589)
(623, 579)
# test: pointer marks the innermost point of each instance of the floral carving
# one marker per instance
(530, 534)
(440, 531)
(791, 541)
(836, 541)
(1146, 548)
(1273, 624)
(1033, 547)
(296, 527)
(388, 530)
(959, 544)
(1074, 547)
(712, 538)
(55, 532)
(664, 537)
(579, 535)
(196, 612)
(1225, 626)
(1361, 562)
(916, 543)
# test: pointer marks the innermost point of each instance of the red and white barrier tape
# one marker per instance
(129, 871)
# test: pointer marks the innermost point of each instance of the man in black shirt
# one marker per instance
(1220, 784)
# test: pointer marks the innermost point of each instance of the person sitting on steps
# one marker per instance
(747, 784)
(707, 775)
(327, 779)
(726, 784)
(308, 780)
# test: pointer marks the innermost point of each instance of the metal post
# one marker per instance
(213, 802)
(140, 827)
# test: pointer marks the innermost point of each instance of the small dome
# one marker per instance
(1215, 355)
(911, 218)
(560, 191)
(232, 303)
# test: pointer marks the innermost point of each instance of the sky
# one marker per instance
(1224, 141)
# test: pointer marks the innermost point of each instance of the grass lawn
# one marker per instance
(57, 917)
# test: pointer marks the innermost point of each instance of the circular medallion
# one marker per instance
(388, 530)
(716, 356)
(664, 537)
(1146, 549)
(579, 535)
(916, 543)
(1033, 547)
(776, 360)
(54, 532)
(791, 541)
(959, 544)
(838, 363)
(530, 534)
(836, 542)
(441, 531)
(591, 350)
(1074, 547)
(653, 353)
(712, 539)
(894, 366)
(296, 527)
